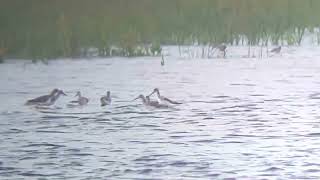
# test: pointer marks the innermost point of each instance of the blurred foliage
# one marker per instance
(41, 29)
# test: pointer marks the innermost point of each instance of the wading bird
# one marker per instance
(56, 97)
(162, 99)
(276, 50)
(147, 102)
(222, 48)
(106, 100)
(81, 100)
(162, 61)
(42, 100)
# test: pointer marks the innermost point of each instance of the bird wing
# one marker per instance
(156, 104)
(83, 101)
(39, 99)
(76, 101)
(153, 103)
(161, 106)
(105, 100)
(276, 50)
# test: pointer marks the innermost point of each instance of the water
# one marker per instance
(240, 118)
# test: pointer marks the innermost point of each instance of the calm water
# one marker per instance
(243, 119)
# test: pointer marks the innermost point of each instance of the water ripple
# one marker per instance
(236, 121)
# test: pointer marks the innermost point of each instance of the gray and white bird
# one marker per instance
(81, 99)
(147, 102)
(56, 97)
(106, 100)
(42, 100)
(222, 48)
(276, 50)
(162, 99)
(162, 61)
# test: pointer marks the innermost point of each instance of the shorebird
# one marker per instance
(56, 97)
(276, 50)
(42, 100)
(162, 61)
(162, 99)
(222, 48)
(81, 100)
(106, 100)
(147, 102)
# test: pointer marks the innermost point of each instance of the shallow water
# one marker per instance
(243, 119)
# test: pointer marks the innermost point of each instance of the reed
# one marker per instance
(42, 29)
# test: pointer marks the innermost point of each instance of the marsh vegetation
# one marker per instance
(40, 29)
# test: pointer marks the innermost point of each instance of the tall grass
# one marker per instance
(41, 29)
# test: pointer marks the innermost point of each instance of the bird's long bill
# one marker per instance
(135, 98)
(63, 93)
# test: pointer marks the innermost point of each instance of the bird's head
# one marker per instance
(61, 92)
(156, 90)
(54, 91)
(78, 94)
(139, 97)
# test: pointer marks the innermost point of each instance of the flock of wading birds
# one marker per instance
(50, 99)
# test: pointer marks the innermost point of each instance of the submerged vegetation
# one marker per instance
(41, 29)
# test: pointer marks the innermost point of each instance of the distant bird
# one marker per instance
(56, 97)
(162, 99)
(222, 48)
(106, 100)
(42, 100)
(81, 100)
(276, 50)
(162, 61)
(147, 102)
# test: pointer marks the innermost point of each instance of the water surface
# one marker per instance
(244, 119)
